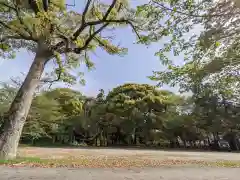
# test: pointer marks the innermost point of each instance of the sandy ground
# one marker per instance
(120, 174)
(59, 153)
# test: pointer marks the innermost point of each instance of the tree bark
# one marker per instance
(17, 114)
(134, 137)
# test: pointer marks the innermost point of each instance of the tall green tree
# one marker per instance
(140, 108)
(7, 94)
(70, 101)
(202, 33)
(45, 114)
(51, 36)
(52, 113)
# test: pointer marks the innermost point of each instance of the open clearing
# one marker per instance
(108, 164)
(60, 153)
(119, 158)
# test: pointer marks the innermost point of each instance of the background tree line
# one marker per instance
(129, 115)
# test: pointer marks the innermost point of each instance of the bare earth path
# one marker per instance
(176, 173)
(159, 173)
(58, 153)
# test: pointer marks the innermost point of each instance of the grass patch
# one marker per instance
(48, 145)
(229, 164)
(20, 160)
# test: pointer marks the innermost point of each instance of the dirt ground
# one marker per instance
(59, 153)
(120, 174)
(144, 173)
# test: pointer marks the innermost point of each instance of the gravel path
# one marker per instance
(174, 173)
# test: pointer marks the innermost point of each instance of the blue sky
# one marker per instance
(110, 71)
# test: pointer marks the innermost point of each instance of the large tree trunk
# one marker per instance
(16, 116)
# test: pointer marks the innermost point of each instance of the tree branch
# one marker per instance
(5, 25)
(101, 43)
(58, 78)
(12, 37)
(120, 21)
(6, 5)
(107, 22)
(109, 9)
(190, 13)
(84, 24)
(16, 10)
(24, 37)
(85, 11)
(22, 22)
(91, 37)
(78, 50)
(59, 75)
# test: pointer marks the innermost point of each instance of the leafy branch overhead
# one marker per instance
(64, 32)
(203, 35)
